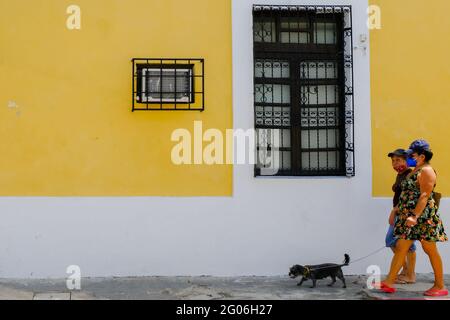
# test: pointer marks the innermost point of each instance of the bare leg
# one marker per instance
(411, 274)
(431, 250)
(403, 272)
(401, 251)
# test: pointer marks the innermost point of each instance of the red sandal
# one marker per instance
(436, 293)
(384, 287)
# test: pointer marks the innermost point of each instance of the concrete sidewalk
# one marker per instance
(205, 288)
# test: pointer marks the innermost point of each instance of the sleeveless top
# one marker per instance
(429, 226)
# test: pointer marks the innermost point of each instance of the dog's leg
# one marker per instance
(340, 275)
(301, 281)
(343, 280)
(314, 282)
(333, 281)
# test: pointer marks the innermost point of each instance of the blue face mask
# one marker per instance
(411, 162)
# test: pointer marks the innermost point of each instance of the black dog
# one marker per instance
(320, 271)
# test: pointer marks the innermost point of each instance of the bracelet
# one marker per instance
(412, 214)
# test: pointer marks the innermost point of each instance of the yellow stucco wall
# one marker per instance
(66, 126)
(410, 81)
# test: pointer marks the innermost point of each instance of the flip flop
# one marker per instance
(410, 282)
(384, 287)
(401, 280)
(436, 293)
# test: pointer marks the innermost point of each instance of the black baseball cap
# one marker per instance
(399, 153)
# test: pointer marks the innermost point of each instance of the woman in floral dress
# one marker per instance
(418, 219)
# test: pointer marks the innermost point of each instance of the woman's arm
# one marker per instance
(394, 212)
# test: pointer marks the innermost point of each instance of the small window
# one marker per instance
(168, 84)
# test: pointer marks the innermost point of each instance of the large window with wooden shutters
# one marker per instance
(303, 90)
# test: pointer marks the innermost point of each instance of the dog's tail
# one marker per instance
(346, 260)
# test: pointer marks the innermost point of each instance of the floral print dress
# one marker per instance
(429, 226)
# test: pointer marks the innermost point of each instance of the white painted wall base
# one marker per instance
(268, 224)
(40, 237)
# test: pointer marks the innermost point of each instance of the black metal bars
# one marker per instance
(168, 84)
(303, 89)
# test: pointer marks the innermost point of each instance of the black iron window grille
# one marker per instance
(303, 90)
(168, 84)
